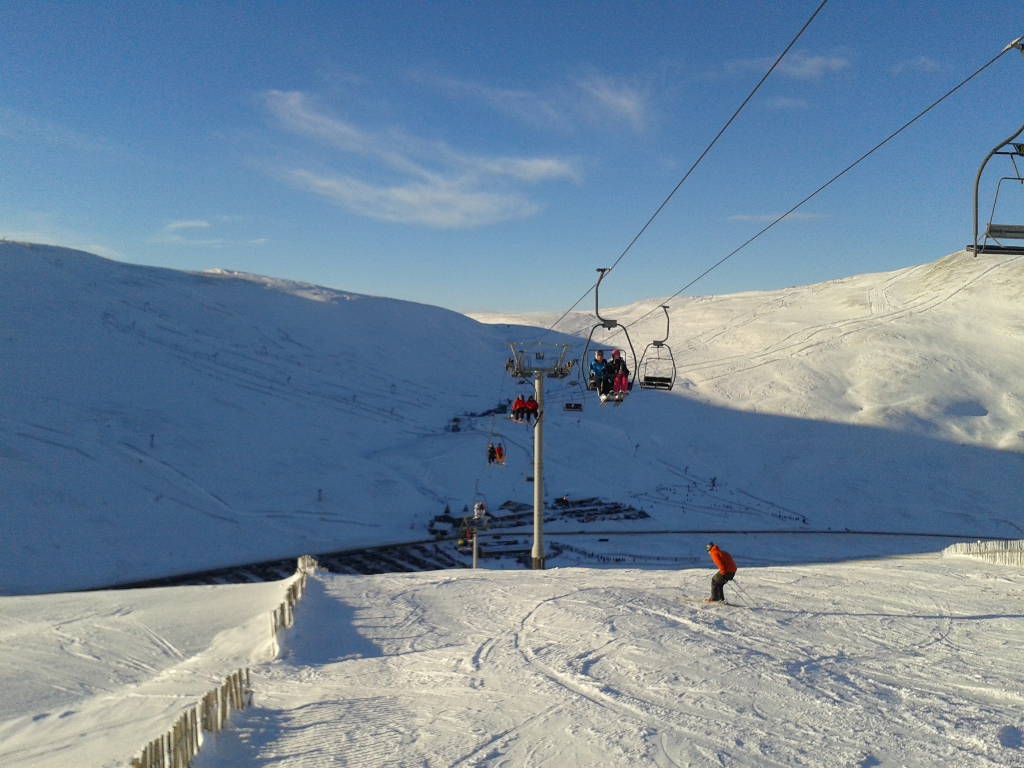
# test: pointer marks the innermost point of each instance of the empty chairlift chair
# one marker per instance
(573, 395)
(657, 365)
(999, 232)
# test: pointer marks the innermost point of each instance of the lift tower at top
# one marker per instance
(540, 361)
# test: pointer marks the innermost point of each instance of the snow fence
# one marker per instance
(1001, 552)
(177, 747)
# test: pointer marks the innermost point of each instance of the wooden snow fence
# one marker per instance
(999, 552)
(177, 747)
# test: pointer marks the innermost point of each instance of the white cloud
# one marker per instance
(435, 205)
(798, 66)
(178, 226)
(439, 186)
(175, 231)
(781, 103)
(768, 218)
(618, 100)
(920, 64)
(528, 107)
(594, 100)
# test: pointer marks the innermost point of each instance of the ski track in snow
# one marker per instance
(903, 662)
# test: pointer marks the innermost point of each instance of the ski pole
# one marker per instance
(744, 593)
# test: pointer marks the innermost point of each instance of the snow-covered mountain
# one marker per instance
(155, 422)
(933, 350)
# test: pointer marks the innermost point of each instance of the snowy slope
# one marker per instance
(155, 422)
(902, 662)
(88, 678)
(932, 350)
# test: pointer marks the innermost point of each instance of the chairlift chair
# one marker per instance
(573, 396)
(495, 440)
(993, 231)
(657, 364)
(588, 381)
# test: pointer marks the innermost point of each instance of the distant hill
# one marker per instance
(936, 349)
(155, 422)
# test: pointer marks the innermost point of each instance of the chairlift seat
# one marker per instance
(1005, 231)
(656, 382)
(575, 407)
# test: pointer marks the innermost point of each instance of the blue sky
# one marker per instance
(491, 156)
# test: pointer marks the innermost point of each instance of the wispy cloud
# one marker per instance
(768, 218)
(434, 204)
(178, 226)
(438, 186)
(797, 66)
(617, 99)
(176, 232)
(782, 103)
(920, 64)
(591, 100)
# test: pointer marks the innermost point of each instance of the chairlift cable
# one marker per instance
(830, 181)
(694, 166)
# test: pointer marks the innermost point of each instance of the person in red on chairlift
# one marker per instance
(617, 371)
(532, 409)
(518, 407)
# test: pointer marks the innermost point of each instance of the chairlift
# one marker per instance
(479, 500)
(573, 396)
(993, 231)
(494, 441)
(657, 365)
(589, 380)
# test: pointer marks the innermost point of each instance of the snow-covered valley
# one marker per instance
(157, 422)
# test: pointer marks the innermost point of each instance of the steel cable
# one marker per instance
(828, 183)
(692, 167)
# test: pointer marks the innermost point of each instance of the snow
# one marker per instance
(931, 349)
(156, 422)
(897, 662)
(88, 677)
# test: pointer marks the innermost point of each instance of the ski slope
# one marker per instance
(156, 422)
(900, 662)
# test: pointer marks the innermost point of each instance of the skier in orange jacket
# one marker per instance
(726, 572)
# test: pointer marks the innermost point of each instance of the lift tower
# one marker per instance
(540, 361)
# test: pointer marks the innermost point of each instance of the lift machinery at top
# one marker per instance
(589, 381)
(657, 365)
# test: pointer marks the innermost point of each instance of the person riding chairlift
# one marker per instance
(598, 373)
(617, 372)
(518, 408)
(532, 409)
(492, 453)
(499, 454)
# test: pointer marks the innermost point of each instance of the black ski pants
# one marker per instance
(718, 582)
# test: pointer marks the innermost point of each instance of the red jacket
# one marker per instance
(531, 405)
(723, 560)
(519, 403)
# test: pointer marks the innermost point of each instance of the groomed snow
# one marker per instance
(900, 662)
